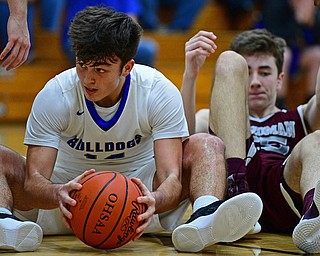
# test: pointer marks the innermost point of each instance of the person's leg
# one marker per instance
(229, 116)
(228, 106)
(302, 175)
(204, 182)
(17, 235)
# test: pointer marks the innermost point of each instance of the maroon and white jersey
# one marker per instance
(277, 134)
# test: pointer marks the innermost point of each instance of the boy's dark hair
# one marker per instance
(100, 35)
(260, 41)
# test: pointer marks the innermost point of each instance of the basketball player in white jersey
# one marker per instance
(109, 114)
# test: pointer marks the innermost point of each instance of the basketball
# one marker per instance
(106, 212)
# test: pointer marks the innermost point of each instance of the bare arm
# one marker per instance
(18, 46)
(197, 49)
(167, 184)
(40, 163)
(41, 192)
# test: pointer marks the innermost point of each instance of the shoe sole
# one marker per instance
(255, 230)
(306, 235)
(232, 220)
(26, 237)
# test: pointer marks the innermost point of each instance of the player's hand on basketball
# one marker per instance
(150, 202)
(64, 197)
(197, 49)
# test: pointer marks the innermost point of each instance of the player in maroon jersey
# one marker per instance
(278, 158)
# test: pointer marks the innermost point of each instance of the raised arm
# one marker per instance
(18, 45)
(197, 49)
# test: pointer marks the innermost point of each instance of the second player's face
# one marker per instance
(264, 84)
(103, 83)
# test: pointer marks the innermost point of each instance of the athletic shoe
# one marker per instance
(306, 235)
(221, 221)
(17, 235)
(255, 230)
(237, 184)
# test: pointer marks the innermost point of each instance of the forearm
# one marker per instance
(188, 93)
(18, 9)
(168, 194)
(41, 192)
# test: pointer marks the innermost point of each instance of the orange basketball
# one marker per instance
(105, 215)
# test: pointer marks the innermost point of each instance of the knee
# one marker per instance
(312, 141)
(308, 145)
(200, 145)
(10, 161)
(230, 62)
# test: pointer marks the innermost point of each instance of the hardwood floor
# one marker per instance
(160, 245)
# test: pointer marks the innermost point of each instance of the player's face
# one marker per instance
(264, 82)
(103, 83)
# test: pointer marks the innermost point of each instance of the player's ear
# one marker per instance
(127, 67)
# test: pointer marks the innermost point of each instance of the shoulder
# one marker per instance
(60, 92)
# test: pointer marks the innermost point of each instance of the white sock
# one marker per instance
(203, 201)
(5, 210)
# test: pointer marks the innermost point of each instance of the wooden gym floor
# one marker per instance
(12, 134)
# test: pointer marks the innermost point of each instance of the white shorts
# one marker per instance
(51, 220)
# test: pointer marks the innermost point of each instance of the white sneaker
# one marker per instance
(19, 235)
(221, 221)
(306, 235)
(255, 230)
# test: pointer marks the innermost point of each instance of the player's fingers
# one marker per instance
(19, 59)
(202, 43)
(64, 211)
(143, 226)
(88, 172)
(145, 191)
(66, 222)
(204, 33)
(137, 236)
(13, 58)
(6, 50)
(84, 174)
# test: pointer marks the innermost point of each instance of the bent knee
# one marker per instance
(200, 144)
(231, 62)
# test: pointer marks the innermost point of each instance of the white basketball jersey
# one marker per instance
(61, 117)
